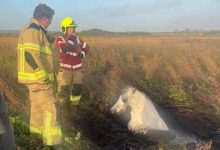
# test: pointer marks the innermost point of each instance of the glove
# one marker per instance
(80, 54)
(50, 38)
(72, 37)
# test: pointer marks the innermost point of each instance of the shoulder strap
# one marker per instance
(37, 27)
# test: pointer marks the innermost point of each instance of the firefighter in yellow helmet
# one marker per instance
(72, 50)
(36, 71)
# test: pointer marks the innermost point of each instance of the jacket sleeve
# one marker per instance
(63, 45)
(30, 60)
(84, 46)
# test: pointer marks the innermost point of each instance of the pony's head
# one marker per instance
(125, 100)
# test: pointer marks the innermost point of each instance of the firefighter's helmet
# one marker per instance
(67, 22)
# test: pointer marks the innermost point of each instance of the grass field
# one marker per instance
(180, 72)
(184, 70)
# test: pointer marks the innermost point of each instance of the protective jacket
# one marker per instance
(70, 47)
(35, 61)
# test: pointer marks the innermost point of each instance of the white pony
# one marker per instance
(144, 116)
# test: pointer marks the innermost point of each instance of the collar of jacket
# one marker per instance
(33, 20)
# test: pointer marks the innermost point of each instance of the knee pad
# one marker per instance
(76, 89)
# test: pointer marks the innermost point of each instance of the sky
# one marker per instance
(118, 15)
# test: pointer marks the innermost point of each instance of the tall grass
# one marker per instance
(8, 72)
(181, 71)
(184, 69)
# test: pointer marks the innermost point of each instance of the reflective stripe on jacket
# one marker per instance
(34, 41)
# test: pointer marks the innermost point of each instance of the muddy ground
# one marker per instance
(110, 132)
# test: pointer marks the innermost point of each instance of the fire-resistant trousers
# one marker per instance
(67, 77)
(45, 115)
(70, 84)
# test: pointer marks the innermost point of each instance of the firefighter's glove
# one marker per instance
(72, 38)
(50, 38)
(81, 54)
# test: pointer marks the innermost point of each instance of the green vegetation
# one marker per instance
(28, 141)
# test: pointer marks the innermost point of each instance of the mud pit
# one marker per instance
(110, 132)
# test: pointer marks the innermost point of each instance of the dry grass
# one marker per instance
(189, 64)
(179, 69)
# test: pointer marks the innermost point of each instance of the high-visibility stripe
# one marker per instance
(71, 66)
(29, 77)
(55, 131)
(35, 130)
(47, 128)
(47, 131)
(75, 98)
(47, 50)
(35, 76)
(21, 58)
(72, 53)
(32, 46)
(32, 76)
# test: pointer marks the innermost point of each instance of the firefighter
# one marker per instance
(72, 50)
(36, 71)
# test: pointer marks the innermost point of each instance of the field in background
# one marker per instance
(179, 72)
(182, 70)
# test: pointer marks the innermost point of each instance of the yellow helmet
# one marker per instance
(67, 22)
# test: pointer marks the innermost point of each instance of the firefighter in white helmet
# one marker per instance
(72, 50)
